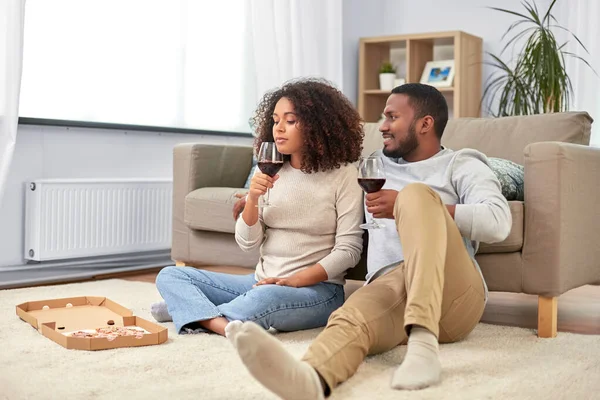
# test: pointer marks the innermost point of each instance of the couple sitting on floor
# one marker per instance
(423, 284)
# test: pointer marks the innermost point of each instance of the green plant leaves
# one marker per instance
(537, 82)
(387, 67)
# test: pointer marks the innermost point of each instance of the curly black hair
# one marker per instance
(331, 126)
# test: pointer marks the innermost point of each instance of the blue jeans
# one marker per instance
(196, 295)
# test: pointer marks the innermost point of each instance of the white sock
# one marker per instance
(421, 366)
(160, 313)
(271, 364)
(231, 330)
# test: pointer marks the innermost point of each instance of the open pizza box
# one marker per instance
(59, 319)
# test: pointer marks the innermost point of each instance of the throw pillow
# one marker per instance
(511, 177)
(247, 185)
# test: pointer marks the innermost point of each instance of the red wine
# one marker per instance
(270, 168)
(371, 185)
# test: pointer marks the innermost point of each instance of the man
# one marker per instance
(423, 284)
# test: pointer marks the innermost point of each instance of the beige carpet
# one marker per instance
(493, 363)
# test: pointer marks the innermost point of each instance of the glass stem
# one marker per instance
(267, 195)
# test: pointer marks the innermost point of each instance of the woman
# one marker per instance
(307, 241)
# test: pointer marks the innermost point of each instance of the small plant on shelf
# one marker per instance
(387, 68)
(387, 74)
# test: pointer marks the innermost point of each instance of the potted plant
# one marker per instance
(537, 81)
(387, 74)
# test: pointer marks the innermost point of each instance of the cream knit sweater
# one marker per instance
(315, 220)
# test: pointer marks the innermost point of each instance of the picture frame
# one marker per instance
(439, 73)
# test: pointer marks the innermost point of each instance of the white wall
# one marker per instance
(360, 19)
(59, 152)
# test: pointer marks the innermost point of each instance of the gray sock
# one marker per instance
(421, 366)
(160, 313)
(272, 365)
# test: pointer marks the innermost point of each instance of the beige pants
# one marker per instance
(437, 287)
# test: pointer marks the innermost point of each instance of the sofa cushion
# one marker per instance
(373, 140)
(511, 177)
(514, 241)
(211, 209)
(507, 137)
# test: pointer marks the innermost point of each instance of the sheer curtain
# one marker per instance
(214, 64)
(581, 18)
(295, 38)
(172, 63)
(11, 57)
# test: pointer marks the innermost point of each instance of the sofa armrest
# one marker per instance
(201, 165)
(561, 248)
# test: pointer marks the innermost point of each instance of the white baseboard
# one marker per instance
(52, 273)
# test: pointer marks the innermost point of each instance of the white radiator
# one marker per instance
(71, 218)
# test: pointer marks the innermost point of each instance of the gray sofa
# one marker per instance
(554, 244)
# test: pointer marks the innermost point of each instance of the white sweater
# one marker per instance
(462, 178)
(315, 220)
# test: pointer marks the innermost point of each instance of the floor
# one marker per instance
(578, 309)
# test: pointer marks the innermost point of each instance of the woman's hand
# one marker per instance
(307, 277)
(278, 281)
(259, 185)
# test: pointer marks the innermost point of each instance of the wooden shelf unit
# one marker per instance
(410, 54)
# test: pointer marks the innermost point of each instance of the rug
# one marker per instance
(494, 362)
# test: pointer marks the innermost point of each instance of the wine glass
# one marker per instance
(270, 162)
(371, 178)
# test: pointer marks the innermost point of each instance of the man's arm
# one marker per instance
(483, 213)
(239, 205)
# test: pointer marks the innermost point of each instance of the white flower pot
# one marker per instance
(386, 81)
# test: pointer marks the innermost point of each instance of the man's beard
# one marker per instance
(407, 146)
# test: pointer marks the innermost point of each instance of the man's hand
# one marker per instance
(381, 204)
(278, 281)
(239, 205)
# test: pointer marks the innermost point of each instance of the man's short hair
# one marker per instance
(426, 100)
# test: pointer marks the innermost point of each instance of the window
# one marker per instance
(173, 63)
